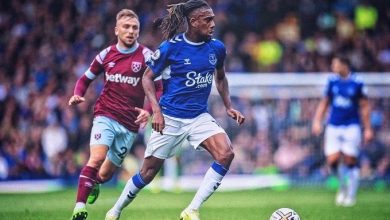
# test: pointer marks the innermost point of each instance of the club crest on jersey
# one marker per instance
(136, 66)
(212, 58)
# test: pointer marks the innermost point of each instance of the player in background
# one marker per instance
(346, 96)
(188, 63)
(118, 111)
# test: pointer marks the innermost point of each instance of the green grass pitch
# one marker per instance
(311, 204)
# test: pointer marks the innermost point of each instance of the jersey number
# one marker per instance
(123, 152)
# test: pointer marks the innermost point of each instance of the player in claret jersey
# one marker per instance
(188, 63)
(347, 98)
(118, 111)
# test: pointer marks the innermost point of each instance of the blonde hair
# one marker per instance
(126, 13)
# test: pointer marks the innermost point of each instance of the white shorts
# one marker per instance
(178, 131)
(345, 139)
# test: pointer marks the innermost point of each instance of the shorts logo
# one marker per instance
(98, 136)
(136, 66)
(212, 59)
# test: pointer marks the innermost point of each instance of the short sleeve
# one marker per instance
(362, 91)
(221, 53)
(328, 89)
(159, 59)
(96, 66)
(147, 53)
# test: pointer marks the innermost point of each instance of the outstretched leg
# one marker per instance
(220, 148)
(149, 170)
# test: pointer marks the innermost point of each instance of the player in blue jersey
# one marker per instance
(346, 96)
(188, 62)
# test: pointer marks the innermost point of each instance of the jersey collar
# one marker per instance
(190, 42)
(129, 50)
(348, 77)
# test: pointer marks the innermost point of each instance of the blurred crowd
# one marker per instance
(45, 45)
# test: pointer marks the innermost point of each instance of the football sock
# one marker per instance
(210, 183)
(133, 186)
(86, 183)
(353, 175)
(342, 174)
(333, 169)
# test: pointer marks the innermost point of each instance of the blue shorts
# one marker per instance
(118, 139)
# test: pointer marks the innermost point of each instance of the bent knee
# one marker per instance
(96, 161)
(225, 157)
(332, 163)
(350, 161)
(105, 176)
(333, 160)
(148, 174)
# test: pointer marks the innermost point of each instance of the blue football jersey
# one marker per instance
(344, 96)
(187, 69)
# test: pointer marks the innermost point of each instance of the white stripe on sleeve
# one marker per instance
(90, 75)
(100, 57)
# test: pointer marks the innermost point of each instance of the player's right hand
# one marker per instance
(158, 123)
(236, 115)
(142, 117)
(76, 99)
(316, 128)
(368, 135)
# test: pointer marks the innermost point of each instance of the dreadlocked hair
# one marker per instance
(177, 14)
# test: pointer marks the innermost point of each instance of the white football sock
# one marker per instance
(133, 186)
(342, 175)
(210, 183)
(353, 181)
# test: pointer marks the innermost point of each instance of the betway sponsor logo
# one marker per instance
(197, 80)
(118, 78)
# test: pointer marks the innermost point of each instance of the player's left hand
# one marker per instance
(368, 135)
(236, 115)
(142, 117)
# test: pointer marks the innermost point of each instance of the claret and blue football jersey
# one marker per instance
(187, 69)
(344, 96)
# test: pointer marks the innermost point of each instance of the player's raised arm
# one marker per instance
(150, 92)
(223, 90)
